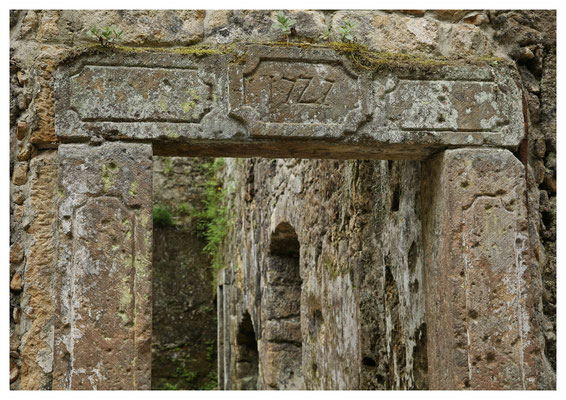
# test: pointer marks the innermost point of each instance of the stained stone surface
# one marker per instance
(189, 105)
(103, 324)
(478, 272)
(393, 332)
(360, 278)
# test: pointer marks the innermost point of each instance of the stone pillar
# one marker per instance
(220, 334)
(103, 325)
(226, 280)
(479, 309)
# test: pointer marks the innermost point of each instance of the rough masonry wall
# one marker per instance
(38, 39)
(362, 305)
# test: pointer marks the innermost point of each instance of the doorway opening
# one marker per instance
(282, 305)
(247, 356)
(184, 345)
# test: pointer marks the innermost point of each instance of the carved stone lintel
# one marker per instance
(313, 97)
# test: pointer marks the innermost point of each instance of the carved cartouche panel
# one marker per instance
(291, 92)
(243, 100)
(141, 94)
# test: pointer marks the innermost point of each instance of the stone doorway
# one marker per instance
(460, 119)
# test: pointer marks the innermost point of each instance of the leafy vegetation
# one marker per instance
(212, 383)
(210, 350)
(345, 31)
(168, 167)
(183, 209)
(167, 386)
(284, 25)
(162, 216)
(212, 219)
(325, 35)
(106, 36)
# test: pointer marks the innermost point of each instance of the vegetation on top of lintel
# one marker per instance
(361, 57)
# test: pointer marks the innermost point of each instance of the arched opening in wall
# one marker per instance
(247, 356)
(282, 308)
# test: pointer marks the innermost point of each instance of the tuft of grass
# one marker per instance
(162, 216)
(212, 383)
(107, 36)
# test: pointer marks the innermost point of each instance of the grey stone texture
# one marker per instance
(205, 103)
(362, 305)
(391, 315)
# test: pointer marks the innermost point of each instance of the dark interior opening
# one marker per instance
(247, 364)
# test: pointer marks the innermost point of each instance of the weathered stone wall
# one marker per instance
(361, 266)
(38, 40)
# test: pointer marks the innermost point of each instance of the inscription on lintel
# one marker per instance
(275, 92)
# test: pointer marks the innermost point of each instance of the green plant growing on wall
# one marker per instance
(212, 220)
(345, 31)
(212, 383)
(325, 36)
(107, 36)
(168, 165)
(210, 350)
(183, 209)
(162, 216)
(167, 386)
(183, 373)
(284, 25)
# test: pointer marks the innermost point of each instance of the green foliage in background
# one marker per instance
(212, 383)
(212, 219)
(210, 349)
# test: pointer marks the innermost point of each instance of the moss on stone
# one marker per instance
(198, 51)
(362, 58)
(109, 172)
(171, 134)
(133, 189)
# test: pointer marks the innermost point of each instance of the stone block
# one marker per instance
(25, 153)
(283, 330)
(243, 101)
(280, 302)
(480, 325)
(281, 368)
(16, 284)
(16, 253)
(39, 291)
(20, 176)
(21, 130)
(103, 326)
